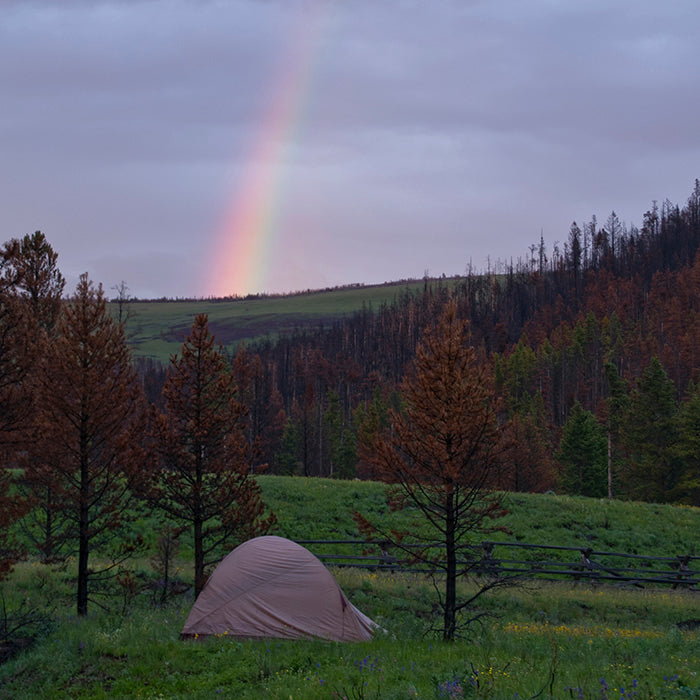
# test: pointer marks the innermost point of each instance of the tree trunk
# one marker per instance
(450, 612)
(48, 530)
(610, 489)
(198, 559)
(83, 539)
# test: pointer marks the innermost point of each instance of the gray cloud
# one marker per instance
(422, 135)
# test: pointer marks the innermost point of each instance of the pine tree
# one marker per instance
(687, 489)
(441, 457)
(203, 475)
(16, 354)
(286, 459)
(530, 467)
(341, 440)
(650, 437)
(616, 408)
(582, 454)
(89, 428)
(37, 286)
(37, 279)
(371, 419)
(15, 399)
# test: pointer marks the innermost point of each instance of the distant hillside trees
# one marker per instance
(687, 488)
(582, 454)
(651, 437)
(613, 295)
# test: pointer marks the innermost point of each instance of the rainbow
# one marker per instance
(246, 237)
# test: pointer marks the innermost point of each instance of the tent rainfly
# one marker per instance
(272, 587)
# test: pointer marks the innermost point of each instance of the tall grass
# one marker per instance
(313, 508)
(558, 640)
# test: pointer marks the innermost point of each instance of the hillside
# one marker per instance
(572, 639)
(156, 329)
(604, 325)
(318, 509)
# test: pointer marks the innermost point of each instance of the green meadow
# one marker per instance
(157, 329)
(541, 639)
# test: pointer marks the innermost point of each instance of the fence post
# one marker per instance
(585, 561)
(683, 569)
(487, 565)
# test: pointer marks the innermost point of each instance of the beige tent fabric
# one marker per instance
(272, 587)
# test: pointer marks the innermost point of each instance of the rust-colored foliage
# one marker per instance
(203, 475)
(529, 466)
(86, 440)
(16, 360)
(35, 285)
(15, 357)
(442, 455)
(266, 416)
(37, 280)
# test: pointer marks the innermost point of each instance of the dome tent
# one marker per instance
(272, 587)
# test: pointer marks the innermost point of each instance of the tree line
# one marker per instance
(85, 453)
(593, 346)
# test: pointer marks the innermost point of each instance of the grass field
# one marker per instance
(554, 640)
(158, 328)
(322, 509)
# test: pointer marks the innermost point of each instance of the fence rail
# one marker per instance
(680, 571)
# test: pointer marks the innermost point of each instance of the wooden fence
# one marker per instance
(526, 560)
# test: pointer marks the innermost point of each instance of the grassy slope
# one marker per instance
(158, 328)
(560, 640)
(312, 508)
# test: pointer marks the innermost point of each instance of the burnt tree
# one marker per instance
(86, 444)
(203, 473)
(441, 457)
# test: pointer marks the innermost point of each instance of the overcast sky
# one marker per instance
(367, 140)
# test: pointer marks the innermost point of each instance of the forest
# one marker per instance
(593, 346)
(587, 356)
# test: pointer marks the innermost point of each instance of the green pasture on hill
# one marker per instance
(541, 639)
(317, 509)
(157, 329)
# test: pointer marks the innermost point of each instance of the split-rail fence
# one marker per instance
(522, 559)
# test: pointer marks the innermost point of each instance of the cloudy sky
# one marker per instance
(212, 147)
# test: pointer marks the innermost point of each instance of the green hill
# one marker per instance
(318, 509)
(157, 329)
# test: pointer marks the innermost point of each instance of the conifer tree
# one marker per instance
(687, 489)
(286, 460)
(89, 428)
(15, 404)
(530, 467)
(582, 454)
(36, 285)
(651, 434)
(37, 279)
(203, 475)
(441, 457)
(616, 407)
(342, 441)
